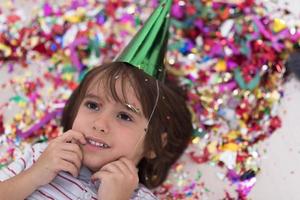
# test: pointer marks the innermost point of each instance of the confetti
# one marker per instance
(229, 56)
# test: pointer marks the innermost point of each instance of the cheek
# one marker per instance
(75, 123)
(137, 145)
(130, 143)
(78, 121)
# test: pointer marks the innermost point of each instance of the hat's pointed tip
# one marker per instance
(148, 45)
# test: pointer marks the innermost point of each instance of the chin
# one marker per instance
(93, 168)
(91, 165)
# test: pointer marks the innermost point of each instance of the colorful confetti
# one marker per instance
(230, 57)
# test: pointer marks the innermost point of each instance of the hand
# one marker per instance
(118, 180)
(62, 154)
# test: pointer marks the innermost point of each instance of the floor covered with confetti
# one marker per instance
(229, 54)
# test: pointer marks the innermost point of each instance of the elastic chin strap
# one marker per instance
(151, 115)
(155, 105)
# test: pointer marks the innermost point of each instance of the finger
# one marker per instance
(111, 167)
(71, 157)
(129, 165)
(73, 148)
(100, 175)
(75, 141)
(122, 168)
(73, 135)
(70, 168)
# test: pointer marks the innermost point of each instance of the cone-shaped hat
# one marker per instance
(148, 47)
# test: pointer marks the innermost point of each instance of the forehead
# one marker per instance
(116, 88)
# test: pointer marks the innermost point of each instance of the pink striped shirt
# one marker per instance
(64, 186)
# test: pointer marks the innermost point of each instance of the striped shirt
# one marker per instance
(64, 186)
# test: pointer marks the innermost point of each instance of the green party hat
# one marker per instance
(148, 47)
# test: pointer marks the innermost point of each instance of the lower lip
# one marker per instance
(93, 147)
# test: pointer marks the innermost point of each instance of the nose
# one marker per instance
(100, 125)
(98, 130)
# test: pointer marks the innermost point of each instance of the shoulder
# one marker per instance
(23, 159)
(31, 152)
(143, 193)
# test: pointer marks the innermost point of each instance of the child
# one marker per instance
(123, 129)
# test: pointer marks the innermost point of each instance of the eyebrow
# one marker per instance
(92, 96)
(128, 106)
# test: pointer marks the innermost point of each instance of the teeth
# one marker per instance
(98, 144)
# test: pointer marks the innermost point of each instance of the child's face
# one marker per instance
(117, 125)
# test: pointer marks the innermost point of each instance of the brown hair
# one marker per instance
(171, 115)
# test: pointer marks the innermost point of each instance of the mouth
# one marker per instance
(97, 143)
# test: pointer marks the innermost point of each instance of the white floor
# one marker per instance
(280, 175)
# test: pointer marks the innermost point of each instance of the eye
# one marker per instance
(125, 116)
(92, 105)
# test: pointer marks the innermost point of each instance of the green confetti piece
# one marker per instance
(241, 82)
(68, 69)
(82, 75)
(175, 45)
(18, 99)
(197, 133)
